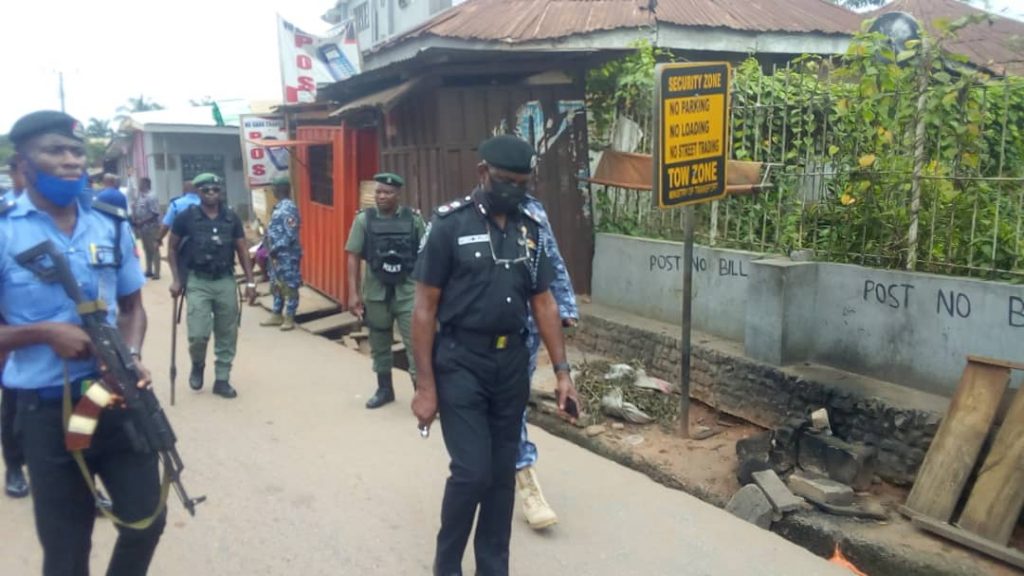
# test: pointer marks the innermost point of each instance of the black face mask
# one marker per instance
(505, 197)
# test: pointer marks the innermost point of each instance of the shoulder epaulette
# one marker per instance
(453, 206)
(110, 210)
(6, 205)
(530, 215)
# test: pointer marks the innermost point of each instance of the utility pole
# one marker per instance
(60, 75)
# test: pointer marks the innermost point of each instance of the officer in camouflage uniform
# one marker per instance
(387, 237)
(285, 257)
(538, 512)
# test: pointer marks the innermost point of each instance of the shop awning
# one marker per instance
(385, 99)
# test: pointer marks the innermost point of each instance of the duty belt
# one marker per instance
(210, 275)
(483, 340)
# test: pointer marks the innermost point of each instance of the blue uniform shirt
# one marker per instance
(24, 299)
(179, 205)
(114, 197)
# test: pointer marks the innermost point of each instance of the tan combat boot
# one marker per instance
(539, 514)
(274, 320)
(288, 323)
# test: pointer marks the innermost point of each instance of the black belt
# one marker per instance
(210, 275)
(54, 394)
(484, 340)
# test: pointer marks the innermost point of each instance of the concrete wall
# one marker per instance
(646, 277)
(907, 328)
(168, 182)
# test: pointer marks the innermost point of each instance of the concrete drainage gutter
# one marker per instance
(875, 553)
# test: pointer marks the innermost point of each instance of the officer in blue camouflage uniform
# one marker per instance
(285, 257)
(538, 512)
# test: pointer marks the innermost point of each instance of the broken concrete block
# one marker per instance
(595, 430)
(746, 469)
(850, 463)
(778, 494)
(822, 490)
(751, 504)
(757, 446)
(819, 420)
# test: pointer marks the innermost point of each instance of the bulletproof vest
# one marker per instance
(211, 246)
(390, 246)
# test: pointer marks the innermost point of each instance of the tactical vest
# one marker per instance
(211, 247)
(391, 245)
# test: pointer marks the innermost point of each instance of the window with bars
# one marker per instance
(361, 14)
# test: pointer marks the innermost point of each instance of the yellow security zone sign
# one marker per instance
(692, 116)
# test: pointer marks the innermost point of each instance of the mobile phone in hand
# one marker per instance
(571, 408)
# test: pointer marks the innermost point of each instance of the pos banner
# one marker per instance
(308, 60)
(263, 164)
(691, 115)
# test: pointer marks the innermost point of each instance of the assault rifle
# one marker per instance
(148, 427)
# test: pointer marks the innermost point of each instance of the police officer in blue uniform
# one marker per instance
(15, 484)
(46, 347)
(481, 268)
(189, 198)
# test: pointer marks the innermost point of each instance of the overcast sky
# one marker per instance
(171, 51)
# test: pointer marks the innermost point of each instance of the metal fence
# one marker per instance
(941, 193)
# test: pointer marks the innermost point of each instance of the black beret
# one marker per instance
(45, 122)
(508, 153)
(390, 179)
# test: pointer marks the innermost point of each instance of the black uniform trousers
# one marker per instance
(14, 456)
(64, 507)
(482, 393)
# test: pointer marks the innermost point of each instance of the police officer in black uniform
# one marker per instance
(480, 264)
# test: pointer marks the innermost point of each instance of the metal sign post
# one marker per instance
(691, 118)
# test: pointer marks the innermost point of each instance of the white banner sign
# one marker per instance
(263, 163)
(308, 60)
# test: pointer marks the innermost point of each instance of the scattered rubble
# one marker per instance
(821, 490)
(781, 498)
(751, 504)
(850, 463)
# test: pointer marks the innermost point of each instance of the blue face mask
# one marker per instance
(58, 190)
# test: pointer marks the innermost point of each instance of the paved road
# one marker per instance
(302, 480)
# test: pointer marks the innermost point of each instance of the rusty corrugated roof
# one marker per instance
(521, 21)
(997, 46)
(759, 15)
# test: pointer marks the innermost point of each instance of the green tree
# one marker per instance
(98, 128)
(140, 104)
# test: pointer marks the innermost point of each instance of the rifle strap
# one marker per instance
(165, 483)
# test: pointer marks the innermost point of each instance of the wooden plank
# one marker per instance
(956, 446)
(996, 362)
(1011, 556)
(998, 495)
(331, 323)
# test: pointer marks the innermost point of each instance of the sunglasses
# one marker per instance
(209, 189)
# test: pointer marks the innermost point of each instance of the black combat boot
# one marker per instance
(385, 392)
(223, 389)
(195, 379)
(15, 484)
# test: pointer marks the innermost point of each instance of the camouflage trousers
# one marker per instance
(285, 281)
